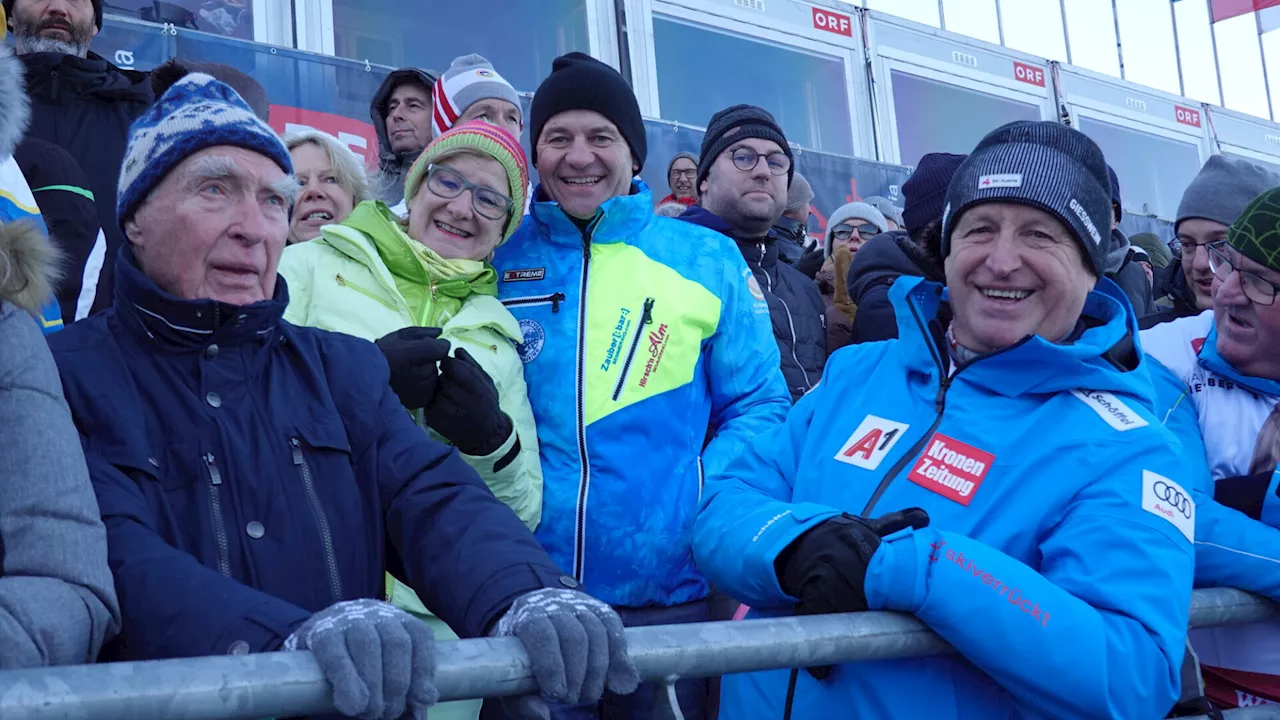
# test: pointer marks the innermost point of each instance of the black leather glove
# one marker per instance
(1246, 493)
(811, 262)
(413, 354)
(465, 409)
(827, 565)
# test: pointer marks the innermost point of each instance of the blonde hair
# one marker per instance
(346, 165)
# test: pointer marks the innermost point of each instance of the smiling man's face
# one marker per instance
(583, 161)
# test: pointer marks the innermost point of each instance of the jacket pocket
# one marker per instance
(321, 456)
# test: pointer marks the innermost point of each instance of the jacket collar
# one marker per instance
(1213, 362)
(91, 75)
(758, 252)
(156, 318)
(1102, 357)
(617, 219)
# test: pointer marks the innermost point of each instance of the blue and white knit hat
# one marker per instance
(195, 113)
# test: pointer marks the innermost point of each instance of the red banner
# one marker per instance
(355, 134)
(1227, 9)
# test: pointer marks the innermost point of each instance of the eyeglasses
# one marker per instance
(746, 159)
(1188, 249)
(689, 174)
(865, 231)
(1257, 289)
(448, 184)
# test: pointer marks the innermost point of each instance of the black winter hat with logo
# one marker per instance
(1044, 165)
(97, 11)
(747, 121)
(581, 82)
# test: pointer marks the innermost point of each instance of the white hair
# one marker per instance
(346, 165)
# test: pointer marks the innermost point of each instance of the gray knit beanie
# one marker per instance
(886, 208)
(848, 212)
(1222, 190)
(468, 80)
(799, 194)
(1044, 165)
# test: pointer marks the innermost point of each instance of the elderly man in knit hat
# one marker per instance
(1211, 203)
(472, 90)
(959, 474)
(1217, 376)
(680, 173)
(792, 229)
(743, 178)
(914, 251)
(266, 475)
(628, 317)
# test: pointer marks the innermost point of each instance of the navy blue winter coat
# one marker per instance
(251, 472)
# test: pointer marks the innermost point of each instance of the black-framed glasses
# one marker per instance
(1188, 249)
(866, 231)
(689, 174)
(448, 184)
(746, 159)
(1259, 290)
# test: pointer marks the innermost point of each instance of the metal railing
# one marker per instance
(289, 684)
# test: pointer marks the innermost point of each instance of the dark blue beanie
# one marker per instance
(925, 192)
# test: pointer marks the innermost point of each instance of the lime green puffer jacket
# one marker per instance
(366, 277)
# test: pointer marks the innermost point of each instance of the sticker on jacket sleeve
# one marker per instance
(1166, 498)
(869, 444)
(1111, 409)
(951, 468)
(534, 339)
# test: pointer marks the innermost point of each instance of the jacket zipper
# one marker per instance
(554, 299)
(326, 538)
(584, 481)
(701, 481)
(646, 318)
(343, 282)
(215, 511)
(790, 325)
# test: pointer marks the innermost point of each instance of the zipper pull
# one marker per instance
(342, 282)
(940, 401)
(297, 450)
(433, 291)
(556, 299)
(215, 477)
(646, 318)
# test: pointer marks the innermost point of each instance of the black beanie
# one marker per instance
(97, 11)
(925, 192)
(581, 82)
(1044, 165)
(754, 122)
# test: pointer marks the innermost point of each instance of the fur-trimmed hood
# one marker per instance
(15, 107)
(28, 265)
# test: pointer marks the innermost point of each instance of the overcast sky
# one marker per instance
(1146, 41)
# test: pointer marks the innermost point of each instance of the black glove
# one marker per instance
(413, 354)
(811, 262)
(1246, 493)
(827, 565)
(465, 409)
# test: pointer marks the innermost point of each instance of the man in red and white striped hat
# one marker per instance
(472, 90)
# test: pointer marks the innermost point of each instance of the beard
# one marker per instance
(28, 40)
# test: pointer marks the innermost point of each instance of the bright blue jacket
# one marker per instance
(640, 334)
(1053, 562)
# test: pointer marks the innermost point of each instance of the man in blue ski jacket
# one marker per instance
(996, 471)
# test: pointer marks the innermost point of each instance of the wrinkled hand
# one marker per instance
(465, 409)
(413, 354)
(379, 659)
(577, 646)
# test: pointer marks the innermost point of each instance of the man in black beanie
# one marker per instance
(638, 333)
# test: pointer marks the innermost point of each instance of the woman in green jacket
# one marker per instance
(385, 279)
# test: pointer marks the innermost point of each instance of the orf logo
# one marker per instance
(1029, 74)
(832, 22)
(1186, 116)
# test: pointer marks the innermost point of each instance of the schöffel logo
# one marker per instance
(1111, 409)
(1088, 222)
(951, 468)
(1166, 498)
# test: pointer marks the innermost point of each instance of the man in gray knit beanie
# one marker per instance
(1211, 203)
(472, 90)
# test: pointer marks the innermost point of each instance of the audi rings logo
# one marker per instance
(1172, 495)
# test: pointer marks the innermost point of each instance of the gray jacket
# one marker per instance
(57, 597)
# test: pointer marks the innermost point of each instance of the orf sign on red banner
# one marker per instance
(833, 22)
(1186, 116)
(355, 134)
(1029, 74)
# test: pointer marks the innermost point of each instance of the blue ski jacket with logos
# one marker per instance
(1058, 559)
(640, 333)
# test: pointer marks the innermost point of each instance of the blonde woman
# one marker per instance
(333, 183)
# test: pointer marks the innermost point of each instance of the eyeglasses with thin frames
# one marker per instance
(448, 184)
(746, 159)
(1258, 289)
(689, 174)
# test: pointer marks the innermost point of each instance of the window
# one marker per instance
(921, 11)
(519, 38)
(1034, 26)
(1146, 39)
(1195, 46)
(702, 69)
(1240, 59)
(232, 18)
(975, 18)
(1091, 29)
(934, 116)
(1146, 187)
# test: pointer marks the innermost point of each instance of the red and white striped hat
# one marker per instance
(468, 80)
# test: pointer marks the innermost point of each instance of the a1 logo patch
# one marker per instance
(869, 444)
(951, 468)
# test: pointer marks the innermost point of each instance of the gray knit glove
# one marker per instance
(378, 658)
(576, 645)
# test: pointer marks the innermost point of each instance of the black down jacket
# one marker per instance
(881, 261)
(795, 306)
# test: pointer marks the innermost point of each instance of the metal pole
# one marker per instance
(1177, 49)
(1066, 32)
(1115, 19)
(1000, 22)
(1217, 66)
(288, 684)
(1262, 53)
